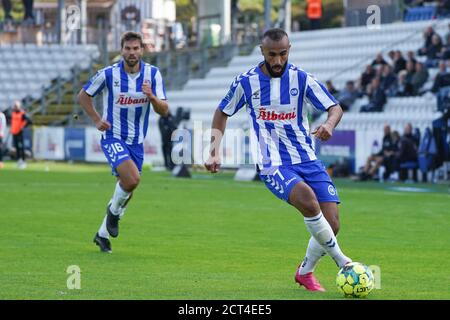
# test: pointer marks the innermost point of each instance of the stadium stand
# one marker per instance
(340, 60)
(28, 70)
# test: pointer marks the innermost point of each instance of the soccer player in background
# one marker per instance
(129, 87)
(275, 94)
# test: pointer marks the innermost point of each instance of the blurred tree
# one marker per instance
(186, 9)
(186, 14)
(16, 12)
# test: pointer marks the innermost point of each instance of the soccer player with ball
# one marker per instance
(275, 94)
(129, 88)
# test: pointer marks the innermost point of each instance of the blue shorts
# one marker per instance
(281, 180)
(117, 151)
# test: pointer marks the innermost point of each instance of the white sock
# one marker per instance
(119, 198)
(321, 230)
(313, 254)
(103, 232)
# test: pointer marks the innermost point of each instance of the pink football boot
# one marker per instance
(309, 282)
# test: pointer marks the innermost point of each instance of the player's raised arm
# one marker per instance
(85, 101)
(160, 106)
(217, 130)
(325, 130)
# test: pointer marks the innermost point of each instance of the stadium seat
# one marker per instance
(407, 169)
(35, 66)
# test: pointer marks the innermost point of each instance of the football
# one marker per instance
(355, 280)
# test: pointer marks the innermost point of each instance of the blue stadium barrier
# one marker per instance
(420, 13)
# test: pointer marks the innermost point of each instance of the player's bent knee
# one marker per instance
(134, 182)
(303, 198)
(130, 183)
(308, 209)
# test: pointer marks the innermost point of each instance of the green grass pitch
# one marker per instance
(208, 238)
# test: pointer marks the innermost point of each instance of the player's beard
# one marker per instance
(272, 72)
(131, 63)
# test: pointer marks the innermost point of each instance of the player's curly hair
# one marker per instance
(274, 34)
(130, 35)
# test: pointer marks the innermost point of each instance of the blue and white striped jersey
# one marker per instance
(125, 106)
(277, 113)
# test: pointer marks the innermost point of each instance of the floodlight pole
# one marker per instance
(83, 22)
(288, 16)
(267, 14)
(61, 21)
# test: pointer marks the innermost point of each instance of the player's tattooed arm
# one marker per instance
(160, 106)
(325, 130)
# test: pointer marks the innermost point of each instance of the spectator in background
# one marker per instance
(433, 51)
(383, 157)
(348, 95)
(331, 88)
(366, 78)
(410, 70)
(391, 55)
(403, 87)
(314, 11)
(2, 136)
(391, 164)
(407, 150)
(399, 62)
(441, 85)
(442, 78)
(419, 78)
(445, 51)
(428, 34)
(379, 60)
(377, 97)
(411, 57)
(19, 120)
(388, 80)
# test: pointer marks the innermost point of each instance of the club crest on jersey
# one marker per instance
(294, 92)
(124, 100)
(264, 114)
